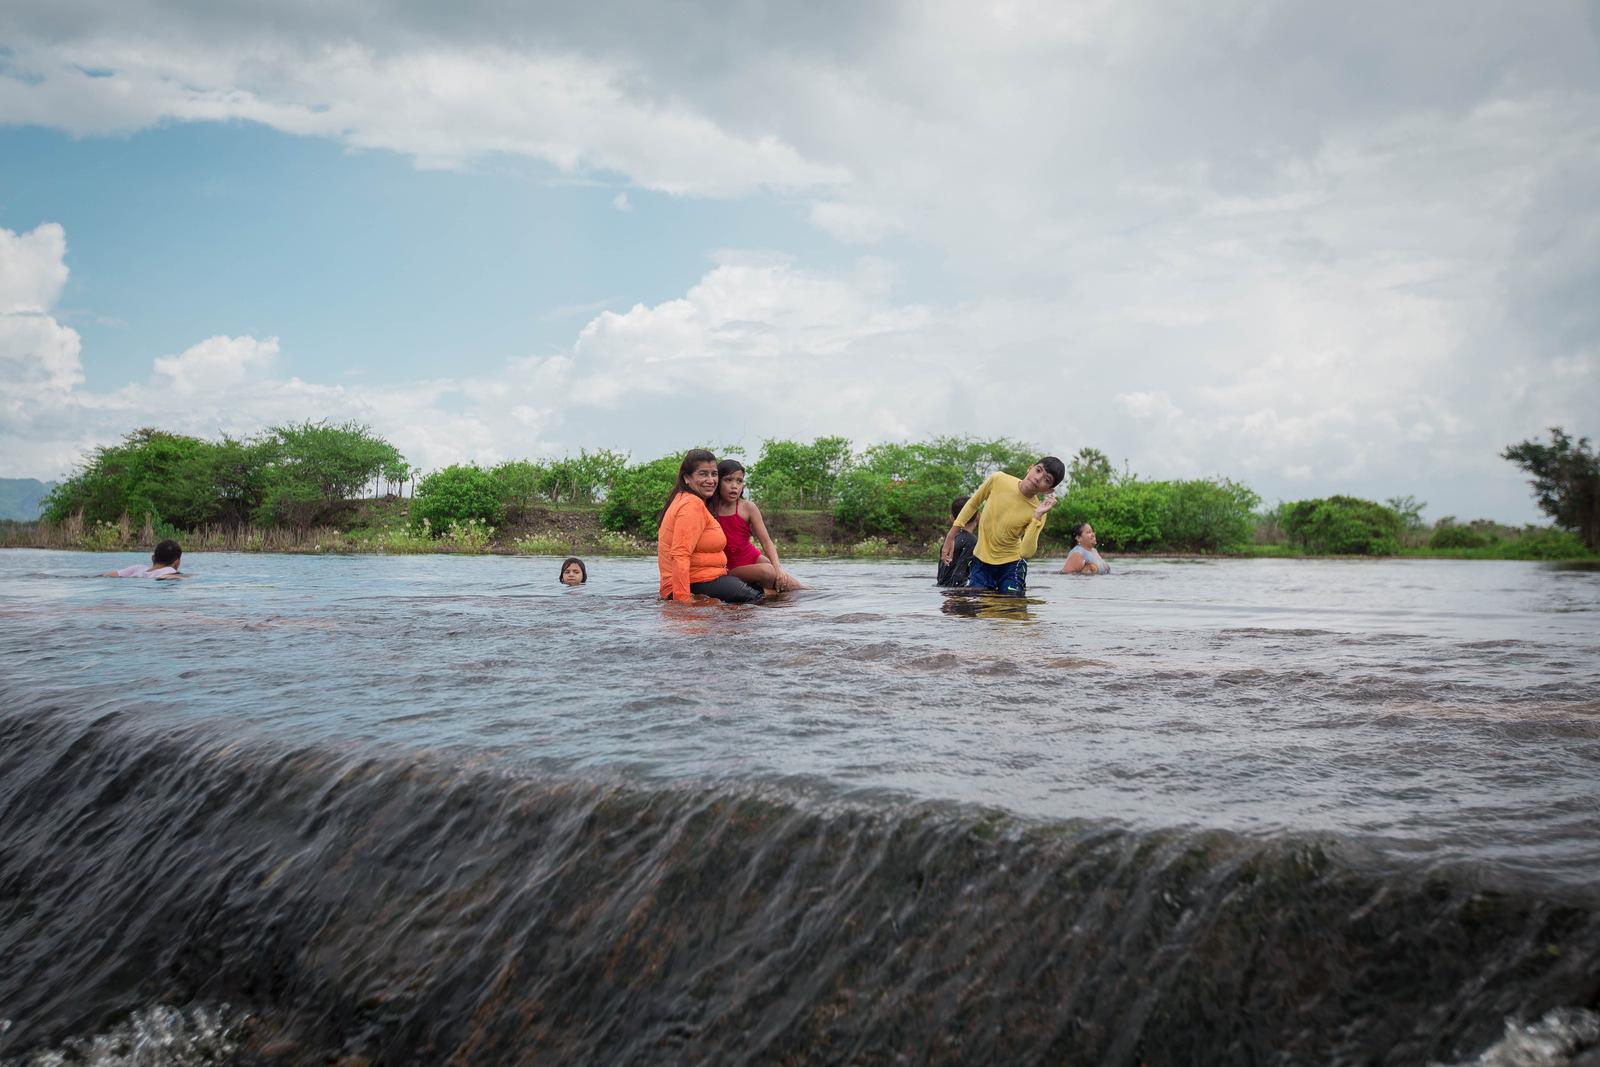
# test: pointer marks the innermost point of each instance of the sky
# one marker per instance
(1317, 248)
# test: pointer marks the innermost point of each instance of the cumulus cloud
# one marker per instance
(1320, 246)
(33, 269)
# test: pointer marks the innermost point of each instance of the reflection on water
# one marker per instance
(986, 604)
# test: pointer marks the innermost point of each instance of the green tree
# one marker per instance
(1342, 525)
(633, 504)
(151, 472)
(1207, 515)
(518, 484)
(239, 477)
(1566, 482)
(1128, 514)
(316, 467)
(792, 475)
(457, 493)
(1088, 468)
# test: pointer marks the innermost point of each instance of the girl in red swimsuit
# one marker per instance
(739, 517)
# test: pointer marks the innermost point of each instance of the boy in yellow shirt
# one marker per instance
(1013, 517)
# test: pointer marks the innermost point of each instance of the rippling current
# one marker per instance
(431, 809)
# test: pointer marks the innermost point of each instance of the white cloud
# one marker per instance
(216, 364)
(1320, 246)
(621, 203)
(445, 107)
(33, 268)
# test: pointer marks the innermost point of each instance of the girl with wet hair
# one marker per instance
(1083, 559)
(690, 544)
(739, 518)
(573, 572)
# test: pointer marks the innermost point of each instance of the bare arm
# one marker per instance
(1074, 563)
(1030, 536)
(968, 512)
(759, 526)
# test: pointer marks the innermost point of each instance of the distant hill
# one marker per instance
(20, 498)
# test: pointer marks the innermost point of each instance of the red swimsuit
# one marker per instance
(741, 553)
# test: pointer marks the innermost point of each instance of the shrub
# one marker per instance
(470, 535)
(1457, 537)
(875, 503)
(1343, 525)
(1208, 515)
(792, 475)
(517, 484)
(637, 494)
(547, 543)
(1127, 514)
(615, 543)
(1542, 542)
(455, 494)
(872, 548)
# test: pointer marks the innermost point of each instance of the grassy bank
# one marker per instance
(383, 527)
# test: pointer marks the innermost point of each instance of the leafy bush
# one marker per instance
(873, 502)
(546, 543)
(637, 493)
(1342, 525)
(1127, 514)
(872, 548)
(469, 535)
(455, 494)
(1205, 515)
(291, 475)
(1457, 537)
(792, 475)
(1544, 543)
(518, 484)
(163, 474)
(615, 543)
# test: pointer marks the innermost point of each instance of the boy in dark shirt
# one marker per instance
(955, 572)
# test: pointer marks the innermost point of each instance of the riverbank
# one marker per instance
(383, 527)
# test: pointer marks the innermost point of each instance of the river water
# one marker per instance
(442, 809)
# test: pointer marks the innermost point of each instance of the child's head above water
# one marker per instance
(167, 554)
(573, 572)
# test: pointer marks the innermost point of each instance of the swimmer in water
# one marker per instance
(163, 564)
(739, 518)
(1083, 559)
(1014, 511)
(573, 572)
(954, 573)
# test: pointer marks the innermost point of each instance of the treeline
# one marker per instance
(302, 475)
(294, 475)
(897, 491)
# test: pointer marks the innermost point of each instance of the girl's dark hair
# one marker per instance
(167, 552)
(691, 459)
(569, 561)
(1075, 530)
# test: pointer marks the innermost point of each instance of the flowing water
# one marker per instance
(440, 809)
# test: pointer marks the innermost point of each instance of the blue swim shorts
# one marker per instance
(1009, 578)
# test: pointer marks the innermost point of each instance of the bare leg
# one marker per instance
(762, 575)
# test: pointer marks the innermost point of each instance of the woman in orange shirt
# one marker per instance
(690, 543)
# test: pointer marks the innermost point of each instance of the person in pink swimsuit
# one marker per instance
(739, 518)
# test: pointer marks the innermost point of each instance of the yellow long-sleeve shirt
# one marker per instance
(1008, 531)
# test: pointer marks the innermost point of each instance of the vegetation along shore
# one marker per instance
(318, 487)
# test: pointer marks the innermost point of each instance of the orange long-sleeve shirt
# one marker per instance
(689, 547)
